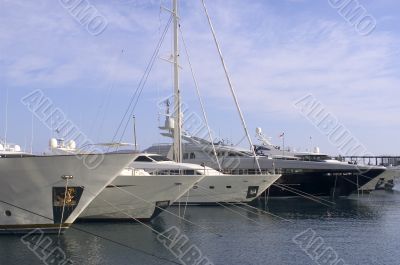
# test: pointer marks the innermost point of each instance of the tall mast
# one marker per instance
(177, 92)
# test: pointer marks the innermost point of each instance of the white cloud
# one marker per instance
(275, 55)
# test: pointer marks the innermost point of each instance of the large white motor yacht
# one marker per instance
(215, 187)
(150, 184)
(49, 192)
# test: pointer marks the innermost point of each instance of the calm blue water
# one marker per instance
(360, 230)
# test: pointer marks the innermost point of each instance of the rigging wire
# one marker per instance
(200, 99)
(232, 88)
(107, 99)
(230, 84)
(97, 235)
(63, 208)
(215, 195)
(226, 206)
(186, 203)
(6, 125)
(169, 212)
(302, 194)
(140, 87)
(31, 140)
(125, 245)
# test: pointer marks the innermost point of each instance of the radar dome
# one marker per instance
(72, 144)
(316, 150)
(53, 143)
(169, 123)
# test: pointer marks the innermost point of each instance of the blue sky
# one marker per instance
(277, 51)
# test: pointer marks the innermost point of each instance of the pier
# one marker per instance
(372, 160)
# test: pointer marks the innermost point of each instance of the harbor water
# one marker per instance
(356, 230)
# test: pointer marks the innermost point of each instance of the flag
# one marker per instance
(282, 135)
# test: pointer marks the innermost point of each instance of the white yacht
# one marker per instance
(49, 192)
(141, 191)
(152, 183)
(219, 188)
(215, 187)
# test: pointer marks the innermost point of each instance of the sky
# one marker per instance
(277, 52)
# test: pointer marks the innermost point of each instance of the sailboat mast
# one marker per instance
(177, 97)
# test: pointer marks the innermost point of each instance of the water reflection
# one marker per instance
(361, 229)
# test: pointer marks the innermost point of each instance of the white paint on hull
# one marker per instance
(137, 196)
(229, 188)
(26, 186)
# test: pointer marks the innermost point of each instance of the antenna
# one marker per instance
(134, 131)
(6, 125)
(32, 134)
(228, 79)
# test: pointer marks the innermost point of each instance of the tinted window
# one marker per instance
(160, 158)
(143, 159)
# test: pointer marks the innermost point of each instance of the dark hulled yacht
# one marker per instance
(303, 174)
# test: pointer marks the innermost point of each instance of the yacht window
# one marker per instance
(211, 187)
(189, 172)
(251, 171)
(160, 158)
(192, 156)
(228, 187)
(195, 187)
(185, 156)
(143, 159)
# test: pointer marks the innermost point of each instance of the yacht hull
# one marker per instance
(384, 181)
(305, 178)
(33, 192)
(322, 183)
(228, 189)
(140, 198)
(299, 177)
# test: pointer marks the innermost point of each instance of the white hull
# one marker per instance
(136, 196)
(31, 187)
(229, 189)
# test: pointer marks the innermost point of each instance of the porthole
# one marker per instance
(211, 187)
(195, 187)
(228, 187)
(8, 213)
